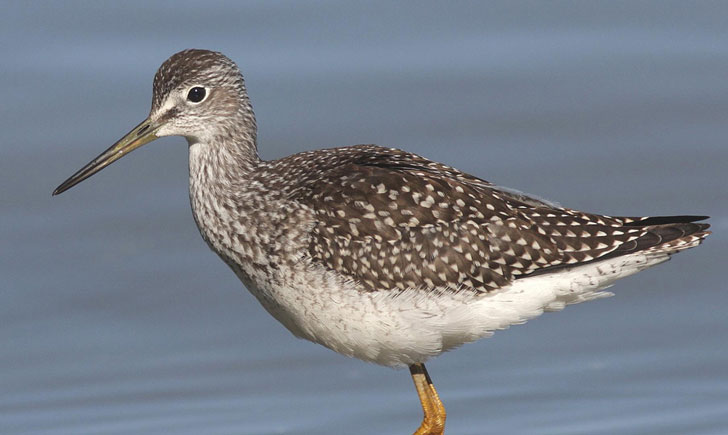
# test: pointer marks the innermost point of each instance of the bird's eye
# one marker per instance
(196, 94)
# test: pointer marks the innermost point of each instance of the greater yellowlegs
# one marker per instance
(377, 253)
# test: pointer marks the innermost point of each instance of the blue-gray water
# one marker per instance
(116, 319)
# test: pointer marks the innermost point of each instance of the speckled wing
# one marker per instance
(393, 220)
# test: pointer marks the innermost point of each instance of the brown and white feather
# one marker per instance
(378, 253)
(390, 219)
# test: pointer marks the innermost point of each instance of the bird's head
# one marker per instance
(198, 94)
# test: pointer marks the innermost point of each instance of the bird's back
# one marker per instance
(389, 219)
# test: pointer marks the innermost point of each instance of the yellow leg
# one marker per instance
(433, 422)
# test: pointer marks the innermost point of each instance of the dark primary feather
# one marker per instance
(391, 219)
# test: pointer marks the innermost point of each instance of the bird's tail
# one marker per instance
(665, 234)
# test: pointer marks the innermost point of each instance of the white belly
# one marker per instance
(396, 328)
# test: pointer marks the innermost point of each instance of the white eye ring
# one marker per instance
(196, 94)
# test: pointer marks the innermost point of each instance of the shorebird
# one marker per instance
(377, 253)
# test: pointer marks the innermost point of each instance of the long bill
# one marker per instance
(138, 136)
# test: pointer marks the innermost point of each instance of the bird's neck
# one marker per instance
(218, 162)
(220, 173)
(236, 213)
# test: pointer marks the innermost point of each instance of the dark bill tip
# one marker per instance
(140, 135)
